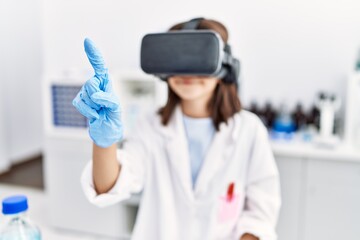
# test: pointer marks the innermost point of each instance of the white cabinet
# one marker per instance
(320, 193)
(291, 173)
(332, 205)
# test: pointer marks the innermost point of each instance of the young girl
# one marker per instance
(204, 166)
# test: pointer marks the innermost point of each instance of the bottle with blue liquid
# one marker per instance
(283, 126)
(18, 226)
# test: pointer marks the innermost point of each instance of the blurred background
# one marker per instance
(300, 73)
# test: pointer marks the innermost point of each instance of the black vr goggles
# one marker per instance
(189, 52)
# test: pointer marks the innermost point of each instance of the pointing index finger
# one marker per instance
(96, 59)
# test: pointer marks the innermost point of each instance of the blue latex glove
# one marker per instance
(97, 101)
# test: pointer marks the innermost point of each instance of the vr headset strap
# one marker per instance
(192, 24)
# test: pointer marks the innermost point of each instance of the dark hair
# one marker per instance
(224, 102)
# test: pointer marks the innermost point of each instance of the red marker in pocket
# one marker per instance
(230, 192)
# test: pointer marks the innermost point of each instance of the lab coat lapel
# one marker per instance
(217, 155)
(177, 151)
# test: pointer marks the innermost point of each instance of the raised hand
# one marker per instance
(97, 101)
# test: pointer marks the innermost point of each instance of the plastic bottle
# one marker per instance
(299, 117)
(257, 111)
(313, 118)
(269, 114)
(283, 122)
(18, 226)
(284, 126)
(254, 108)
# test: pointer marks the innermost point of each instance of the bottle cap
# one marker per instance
(14, 204)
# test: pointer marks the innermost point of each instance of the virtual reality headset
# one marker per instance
(188, 52)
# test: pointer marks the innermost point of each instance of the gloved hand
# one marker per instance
(97, 101)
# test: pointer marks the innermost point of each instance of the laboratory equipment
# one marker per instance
(357, 64)
(313, 117)
(254, 108)
(299, 117)
(328, 104)
(352, 110)
(18, 225)
(269, 114)
(284, 125)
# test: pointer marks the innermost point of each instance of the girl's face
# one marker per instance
(193, 87)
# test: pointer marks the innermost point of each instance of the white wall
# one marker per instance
(289, 49)
(4, 160)
(21, 69)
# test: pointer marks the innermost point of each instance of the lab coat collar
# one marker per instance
(178, 152)
(176, 125)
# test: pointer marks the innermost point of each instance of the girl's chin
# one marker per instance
(188, 84)
(190, 97)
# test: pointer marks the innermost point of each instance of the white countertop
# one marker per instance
(309, 150)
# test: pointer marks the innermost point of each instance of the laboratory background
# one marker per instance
(300, 73)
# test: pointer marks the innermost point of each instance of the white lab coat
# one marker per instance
(155, 160)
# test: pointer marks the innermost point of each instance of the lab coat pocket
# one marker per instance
(229, 209)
